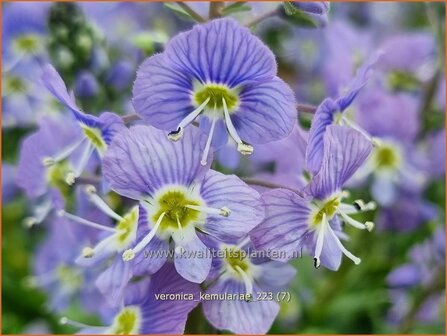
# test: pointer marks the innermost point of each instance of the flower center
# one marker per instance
(93, 134)
(126, 227)
(69, 277)
(127, 321)
(236, 258)
(174, 204)
(14, 84)
(328, 207)
(56, 174)
(386, 157)
(216, 93)
(26, 43)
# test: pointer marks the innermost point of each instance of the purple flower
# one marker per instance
(146, 311)
(54, 139)
(222, 74)
(410, 52)
(239, 273)
(395, 164)
(426, 270)
(331, 111)
(55, 270)
(97, 131)
(86, 85)
(407, 212)
(313, 219)
(348, 47)
(179, 195)
(121, 75)
(317, 10)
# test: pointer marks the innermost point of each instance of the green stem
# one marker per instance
(216, 8)
(196, 16)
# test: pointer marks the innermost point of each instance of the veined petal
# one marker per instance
(112, 282)
(324, 116)
(267, 111)
(155, 253)
(167, 316)
(285, 224)
(345, 150)
(141, 160)
(275, 275)
(247, 211)
(239, 316)
(361, 78)
(54, 83)
(192, 259)
(221, 51)
(162, 95)
(110, 124)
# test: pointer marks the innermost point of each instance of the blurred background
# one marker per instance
(400, 285)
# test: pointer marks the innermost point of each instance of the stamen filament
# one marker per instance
(320, 240)
(130, 253)
(86, 222)
(178, 133)
(351, 221)
(355, 259)
(66, 321)
(193, 115)
(247, 281)
(66, 151)
(242, 147)
(224, 211)
(180, 227)
(73, 175)
(101, 204)
(208, 143)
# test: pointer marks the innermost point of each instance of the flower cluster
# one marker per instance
(216, 184)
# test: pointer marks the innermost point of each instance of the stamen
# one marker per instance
(180, 227)
(355, 259)
(79, 220)
(64, 153)
(66, 321)
(351, 221)
(100, 203)
(320, 240)
(243, 148)
(88, 252)
(178, 133)
(208, 143)
(247, 281)
(130, 253)
(73, 175)
(224, 211)
(29, 222)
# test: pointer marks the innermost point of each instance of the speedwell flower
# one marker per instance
(97, 131)
(179, 195)
(332, 111)
(142, 313)
(293, 221)
(222, 74)
(238, 272)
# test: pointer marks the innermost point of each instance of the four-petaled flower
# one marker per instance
(221, 73)
(313, 219)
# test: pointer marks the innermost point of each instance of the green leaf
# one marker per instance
(179, 11)
(236, 7)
